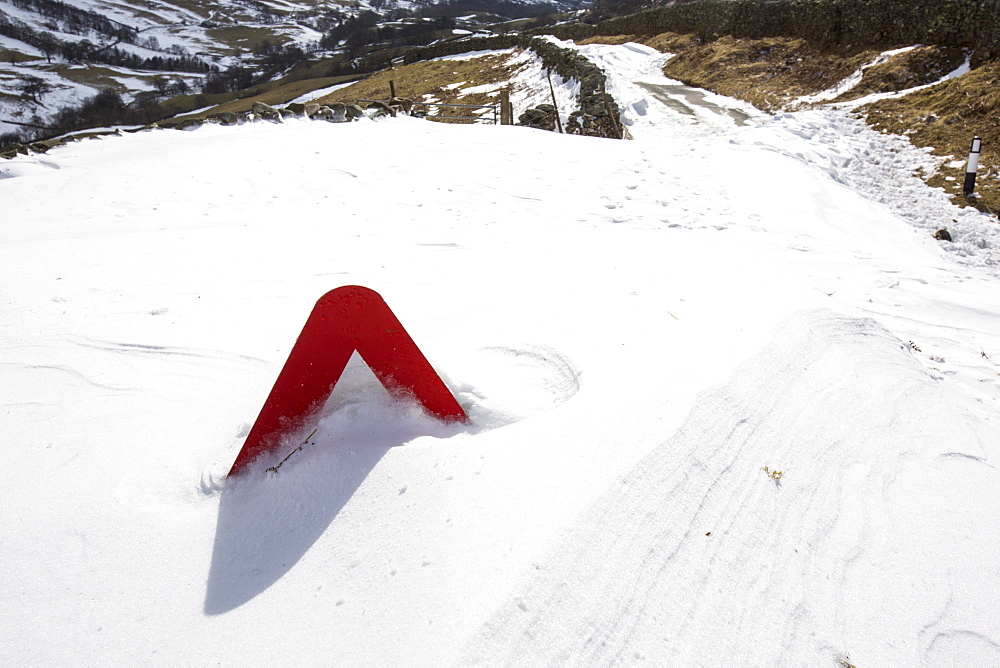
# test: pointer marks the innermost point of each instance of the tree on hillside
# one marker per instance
(48, 44)
(104, 109)
(162, 85)
(34, 87)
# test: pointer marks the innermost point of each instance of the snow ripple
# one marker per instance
(700, 555)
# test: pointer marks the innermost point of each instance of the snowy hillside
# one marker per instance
(643, 333)
(65, 48)
(57, 54)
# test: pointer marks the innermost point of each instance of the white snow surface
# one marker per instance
(636, 329)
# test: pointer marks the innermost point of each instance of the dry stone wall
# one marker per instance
(597, 114)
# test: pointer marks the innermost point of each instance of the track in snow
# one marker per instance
(688, 100)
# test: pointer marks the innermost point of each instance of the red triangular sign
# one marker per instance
(346, 319)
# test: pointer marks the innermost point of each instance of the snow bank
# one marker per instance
(698, 556)
(636, 329)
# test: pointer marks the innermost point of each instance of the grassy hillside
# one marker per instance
(272, 93)
(443, 81)
(770, 72)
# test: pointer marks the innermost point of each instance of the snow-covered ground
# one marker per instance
(636, 330)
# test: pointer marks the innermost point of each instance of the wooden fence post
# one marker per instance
(611, 116)
(506, 111)
(392, 89)
(548, 73)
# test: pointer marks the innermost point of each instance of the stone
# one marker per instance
(942, 235)
(404, 104)
(381, 109)
(266, 112)
(573, 124)
(14, 150)
(338, 111)
(189, 124)
(329, 114)
(224, 118)
(324, 113)
(542, 117)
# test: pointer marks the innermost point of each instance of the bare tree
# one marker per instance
(49, 45)
(34, 87)
(162, 84)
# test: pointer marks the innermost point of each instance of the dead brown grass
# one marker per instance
(945, 118)
(272, 93)
(433, 79)
(16, 57)
(611, 39)
(244, 38)
(98, 76)
(668, 42)
(922, 65)
(769, 72)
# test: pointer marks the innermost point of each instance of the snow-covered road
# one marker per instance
(880, 167)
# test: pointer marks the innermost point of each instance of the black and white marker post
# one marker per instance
(970, 171)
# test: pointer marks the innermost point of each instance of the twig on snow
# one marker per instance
(278, 465)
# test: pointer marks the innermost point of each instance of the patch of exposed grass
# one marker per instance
(769, 72)
(315, 69)
(147, 13)
(272, 93)
(922, 65)
(945, 118)
(434, 80)
(245, 38)
(16, 57)
(98, 76)
(668, 42)
(194, 6)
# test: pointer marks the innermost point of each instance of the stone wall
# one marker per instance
(597, 114)
(973, 24)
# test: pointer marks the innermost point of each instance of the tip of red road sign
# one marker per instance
(347, 319)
